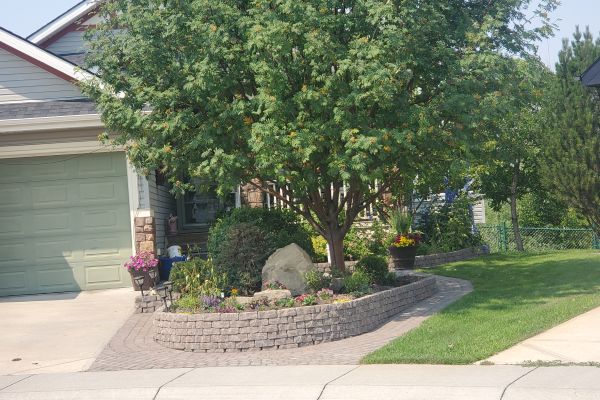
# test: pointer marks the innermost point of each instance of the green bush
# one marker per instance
(197, 277)
(449, 228)
(316, 280)
(187, 303)
(376, 268)
(356, 243)
(240, 243)
(358, 282)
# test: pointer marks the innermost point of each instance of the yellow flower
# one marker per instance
(234, 292)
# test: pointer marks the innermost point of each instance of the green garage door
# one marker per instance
(64, 223)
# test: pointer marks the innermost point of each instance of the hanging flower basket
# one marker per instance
(140, 265)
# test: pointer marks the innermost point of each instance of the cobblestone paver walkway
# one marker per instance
(133, 347)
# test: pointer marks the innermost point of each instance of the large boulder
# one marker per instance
(288, 266)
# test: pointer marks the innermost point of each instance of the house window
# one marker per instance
(200, 209)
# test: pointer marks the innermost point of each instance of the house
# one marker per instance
(591, 76)
(72, 210)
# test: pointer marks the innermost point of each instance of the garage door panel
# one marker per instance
(65, 226)
(57, 278)
(11, 197)
(12, 281)
(54, 250)
(101, 166)
(103, 275)
(13, 254)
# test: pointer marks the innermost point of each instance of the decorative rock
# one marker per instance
(337, 284)
(273, 295)
(288, 266)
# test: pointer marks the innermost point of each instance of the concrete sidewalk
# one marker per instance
(575, 341)
(432, 382)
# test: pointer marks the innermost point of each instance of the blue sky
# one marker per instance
(25, 16)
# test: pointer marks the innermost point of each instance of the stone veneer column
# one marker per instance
(145, 234)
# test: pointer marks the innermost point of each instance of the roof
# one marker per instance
(42, 58)
(52, 108)
(63, 21)
(591, 76)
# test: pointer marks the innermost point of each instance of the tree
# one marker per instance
(572, 145)
(322, 97)
(511, 147)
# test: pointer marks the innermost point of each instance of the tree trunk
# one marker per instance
(335, 242)
(513, 208)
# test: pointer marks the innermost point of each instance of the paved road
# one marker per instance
(133, 347)
(61, 332)
(321, 382)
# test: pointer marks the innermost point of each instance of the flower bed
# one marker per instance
(288, 327)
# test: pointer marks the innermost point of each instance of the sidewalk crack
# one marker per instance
(14, 383)
(166, 383)
(519, 378)
(335, 379)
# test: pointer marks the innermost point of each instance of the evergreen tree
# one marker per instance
(572, 151)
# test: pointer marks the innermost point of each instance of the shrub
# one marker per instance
(283, 226)
(241, 256)
(197, 277)
(240, 243)
(287, 302)
(356, 243)
(376, 268)
(319, 248)
(187, 303)
(357, 282)
(449, 227)
(316, 280)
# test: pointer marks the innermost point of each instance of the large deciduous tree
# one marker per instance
(511, 146)
(322, 97)
(572, 148)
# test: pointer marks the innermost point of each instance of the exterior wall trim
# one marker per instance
(51, 123)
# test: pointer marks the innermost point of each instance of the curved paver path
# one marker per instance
(133, 347)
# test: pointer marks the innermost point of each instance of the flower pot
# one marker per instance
(147, 280)
(403, 257)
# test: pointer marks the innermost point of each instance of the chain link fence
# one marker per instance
(501, 238)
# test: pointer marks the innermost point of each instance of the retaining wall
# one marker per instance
(290, 327)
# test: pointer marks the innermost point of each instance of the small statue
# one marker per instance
(172, 224)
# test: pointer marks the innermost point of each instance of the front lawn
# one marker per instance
(515, 297)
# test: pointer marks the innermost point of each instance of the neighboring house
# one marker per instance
(591, 76)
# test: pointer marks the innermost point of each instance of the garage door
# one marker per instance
(64, 223)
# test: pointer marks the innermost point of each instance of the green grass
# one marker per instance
(515, 297)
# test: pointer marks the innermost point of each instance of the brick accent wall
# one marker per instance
(145, 234)
(290, 327)
(427, 261)
(432, 260)
(150, 303)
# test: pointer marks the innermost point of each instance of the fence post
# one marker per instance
(595, 240)
(505, 236)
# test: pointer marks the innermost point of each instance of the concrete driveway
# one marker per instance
(61, 332)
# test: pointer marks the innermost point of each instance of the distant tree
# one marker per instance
(572, 143)
(322, 97)
(510, 149)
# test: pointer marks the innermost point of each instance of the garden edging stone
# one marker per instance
(289, 327)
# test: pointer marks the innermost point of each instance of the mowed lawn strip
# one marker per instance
(515, 297)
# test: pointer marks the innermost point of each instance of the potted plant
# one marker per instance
(141, 265)
(404, 242)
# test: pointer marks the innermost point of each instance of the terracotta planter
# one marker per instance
(403, 257)
(147, 280)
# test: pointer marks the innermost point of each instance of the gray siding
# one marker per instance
(69, 43)
(163, 204)
(22, 81)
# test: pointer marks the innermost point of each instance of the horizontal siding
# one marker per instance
(23, 81)
(163, 204)
(69, 43)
